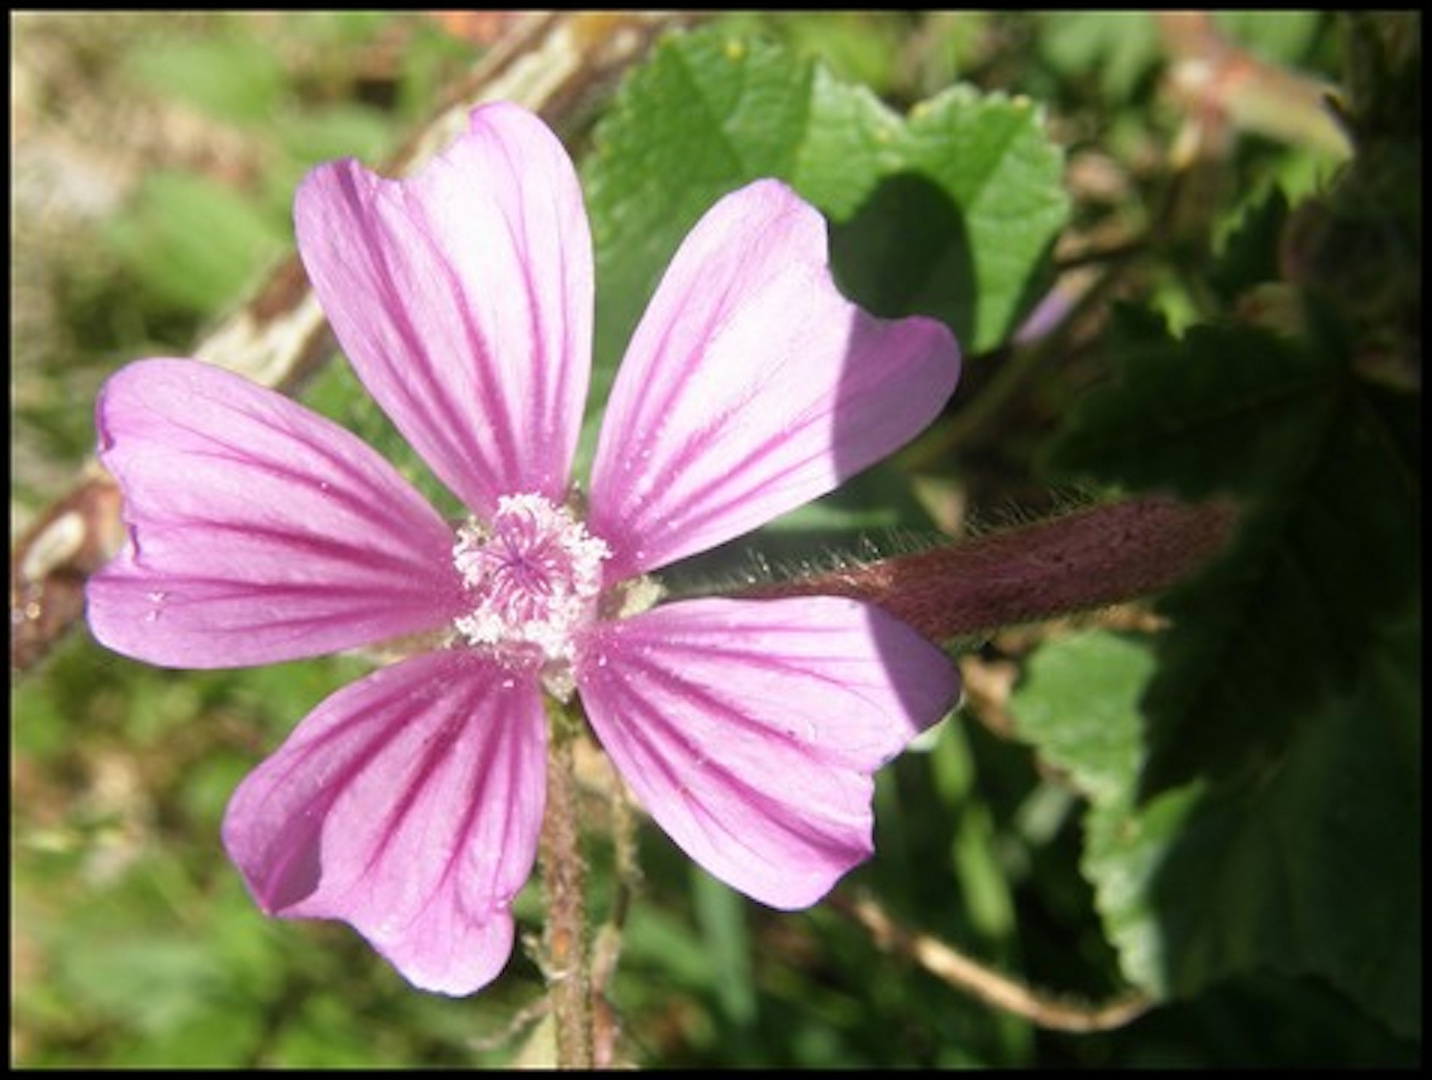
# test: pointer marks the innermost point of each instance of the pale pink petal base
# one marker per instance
(752, 386)
(749, 730)
(258, 531)
(463, 298)
(408, 805)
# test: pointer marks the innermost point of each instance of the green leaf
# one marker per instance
(1311, 868)
(710, 112)
(1283, 37)
(1250, 255)
(721, 914)
(986, 893)
(960, 222)
(324, 134)
(858, 46)
(229, 76)
(323, 1033)
(659, 940)
(193, 243)
(1079, 705)
(1119, 48)
(1226, 410)
(1327, 551)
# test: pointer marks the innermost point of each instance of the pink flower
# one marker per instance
(409, 803)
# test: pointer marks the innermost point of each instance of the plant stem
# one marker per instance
(1081, 561)
(565, 960)
(1056, 1013)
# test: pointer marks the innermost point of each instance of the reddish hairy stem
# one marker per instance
(1080, 561)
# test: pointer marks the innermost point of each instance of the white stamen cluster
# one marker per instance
(534, 573)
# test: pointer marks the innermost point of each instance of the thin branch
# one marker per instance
(522, 1022)
(996, 990)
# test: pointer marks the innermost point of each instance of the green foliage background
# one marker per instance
(1224, 814)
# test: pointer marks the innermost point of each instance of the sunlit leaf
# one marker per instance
(710, 112)
(1079, 706)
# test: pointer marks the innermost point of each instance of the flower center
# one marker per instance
(533, 574)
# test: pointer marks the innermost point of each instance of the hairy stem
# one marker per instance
(1081, 561)
(565, 961)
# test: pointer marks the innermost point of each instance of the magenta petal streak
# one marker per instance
(408, 805)
(752, 386)
(463, 297)
(258, 531)
(750, 729)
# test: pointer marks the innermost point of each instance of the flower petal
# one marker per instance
(408, 805)
(750, 729)
(463, 298)
(752, 386)
(258, 530)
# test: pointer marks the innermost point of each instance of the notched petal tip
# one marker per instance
(463, 297)
(752, 386)
(258, 530)
(750, 730)
(406, 805)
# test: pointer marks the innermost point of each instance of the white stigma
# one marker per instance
(534, 574)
